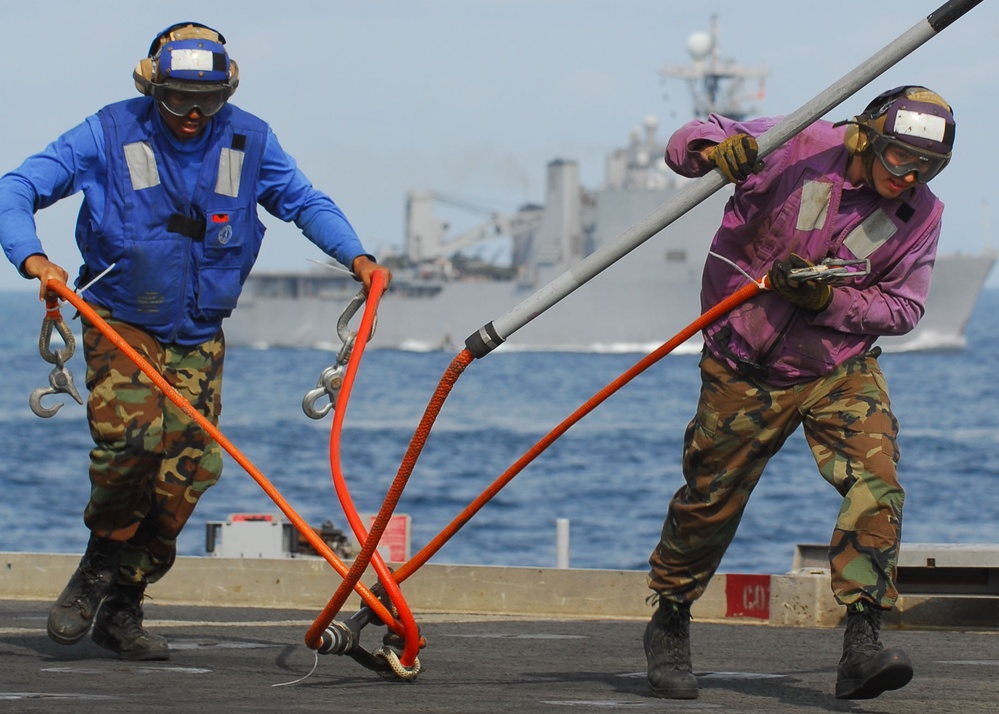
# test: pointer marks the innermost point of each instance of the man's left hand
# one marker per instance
(736, 157)
(364, 268)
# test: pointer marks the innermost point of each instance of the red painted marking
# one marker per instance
(394, 543)
(238, 517)
(747, 596)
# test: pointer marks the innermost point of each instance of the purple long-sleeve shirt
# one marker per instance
(802, 203)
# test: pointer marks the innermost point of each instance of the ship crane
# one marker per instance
(427, 235)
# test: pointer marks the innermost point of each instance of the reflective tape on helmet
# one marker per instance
(202, 60)
(193, 61)
(919, 125)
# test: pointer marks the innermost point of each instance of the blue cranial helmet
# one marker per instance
(188, 68)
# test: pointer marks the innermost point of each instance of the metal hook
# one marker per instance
(832, 269)
(331, 378)
(60, 382)
(60, 378)
(54, 319)
(330, 381)
(346, 335)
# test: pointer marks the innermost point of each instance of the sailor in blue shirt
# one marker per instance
(171, 182)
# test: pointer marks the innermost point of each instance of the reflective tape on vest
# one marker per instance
(230, 169)
(141, 165)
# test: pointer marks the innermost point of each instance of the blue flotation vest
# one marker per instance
(180, 258)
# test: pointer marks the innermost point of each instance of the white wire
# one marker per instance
(331, 266)
(79, 291)
(726, 260)
(301, 679)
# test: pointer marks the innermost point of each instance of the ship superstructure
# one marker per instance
(442, 291)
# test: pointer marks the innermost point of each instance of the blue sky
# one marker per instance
(472, 98)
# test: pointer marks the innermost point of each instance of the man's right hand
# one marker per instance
(736, 157)
(39, 266)
(809, 294)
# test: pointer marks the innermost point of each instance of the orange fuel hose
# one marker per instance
(65, 292)
(712, 314)
(369, 540)
(416, 445)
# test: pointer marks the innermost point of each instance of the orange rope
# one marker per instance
(310, 535)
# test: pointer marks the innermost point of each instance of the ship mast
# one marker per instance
(716, 82)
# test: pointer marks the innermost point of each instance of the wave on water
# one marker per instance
(611, 475)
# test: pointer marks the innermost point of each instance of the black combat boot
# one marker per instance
(867, 669)
(119, 626)
(667, 648)
(70, 617)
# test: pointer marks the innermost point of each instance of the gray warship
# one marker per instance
(441, 292)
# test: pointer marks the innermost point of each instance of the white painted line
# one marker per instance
(214, 644)
(597, 703)
(178, 623)
(738, 675)
(658, 705)
(535, 636)
(716, 675)
(19, 696)
(141, 669)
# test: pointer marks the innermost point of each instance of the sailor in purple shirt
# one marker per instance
(803, 353)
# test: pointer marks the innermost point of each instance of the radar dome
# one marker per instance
(699, 45)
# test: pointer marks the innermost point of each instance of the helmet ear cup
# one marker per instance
(233, 76)
(143, 76)
(855, 138)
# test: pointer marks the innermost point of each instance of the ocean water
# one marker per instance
(611, 475)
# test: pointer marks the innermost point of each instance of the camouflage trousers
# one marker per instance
(151, 462)
(740, 424)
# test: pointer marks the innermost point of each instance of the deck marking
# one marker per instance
(535, 636)
(177, 623)
(739, 675)
(605, 703)
(658, 705)
(222, 645)
(140, 669)
(18, 696)
(716, 675)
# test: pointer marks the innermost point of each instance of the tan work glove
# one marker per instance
(809, 294)
(736, 157)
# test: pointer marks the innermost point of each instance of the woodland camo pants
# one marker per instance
(739, 425)
(151, 462)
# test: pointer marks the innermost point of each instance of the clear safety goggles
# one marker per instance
(181, 103)
(901, 159)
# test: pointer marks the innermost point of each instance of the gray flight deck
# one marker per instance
(495, 643)
(233, 659)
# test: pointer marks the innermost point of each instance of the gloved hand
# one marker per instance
(736, 157)
(809, 294)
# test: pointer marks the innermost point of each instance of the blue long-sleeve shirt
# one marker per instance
(77, 161)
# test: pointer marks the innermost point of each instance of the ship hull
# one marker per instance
(635, 305)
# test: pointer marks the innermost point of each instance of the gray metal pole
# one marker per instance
(493, 334)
